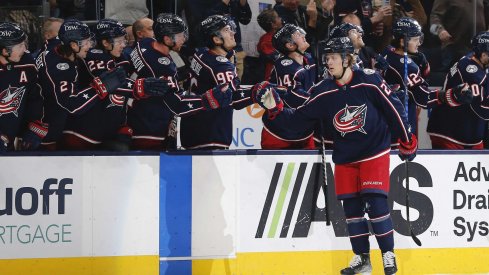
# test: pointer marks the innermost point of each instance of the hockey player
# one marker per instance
(209, 67)
(363, 112)
(463, 127)
(20, 95)
(104, 125)
(296, 71)
(152, 119)
(407, 38)
(365, 57)
(58, 75)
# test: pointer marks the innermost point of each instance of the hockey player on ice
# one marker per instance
(363, 112)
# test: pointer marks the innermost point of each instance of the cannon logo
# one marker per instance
(307, 207)
(25, 200)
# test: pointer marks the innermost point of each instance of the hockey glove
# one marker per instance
(32, 138)
(407, 150)
(217, 97)
(270, 101)
(380, 63)
(151, 86)
(264, 85)
(424, 66)
(4, 142)
(109, 81)
(456, 96)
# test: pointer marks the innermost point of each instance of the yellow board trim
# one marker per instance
(409, 261)
(120, 265)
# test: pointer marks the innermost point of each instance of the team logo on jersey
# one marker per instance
(350, 119)
(116, 101)
(63, 66)
(164, 60)
(10, 100)
(286, 62)
(222, 59)
(402, 60)
(368, 71)
(471, 69)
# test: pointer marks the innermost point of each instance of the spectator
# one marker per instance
(270, 22)
(126, 11)
(310, 18)
(240, 12)
(446, 17)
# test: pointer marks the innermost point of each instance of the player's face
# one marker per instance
(485, 59)
(356, 38)
(227, 34)
(413, 44)
(118, 45)
(335, 64)
(180, 39)
(83, 47)
(17, 51)
(300, 40)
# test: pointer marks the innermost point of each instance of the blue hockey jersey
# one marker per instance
(298, 79)
(63, 93)
(151, 116)
(419, 92)
(465, 124)
(20, 96)
(362, 114)
(104, 119)
(212, 128)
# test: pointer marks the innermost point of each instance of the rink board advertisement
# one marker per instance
(79, 215)
(263, 214)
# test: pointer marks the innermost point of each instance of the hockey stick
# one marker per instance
(406, 99)
(325, 179)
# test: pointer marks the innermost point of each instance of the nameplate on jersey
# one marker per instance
(63, 66)
(164, 60)
(286, 62)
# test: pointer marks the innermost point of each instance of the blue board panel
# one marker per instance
(175, 214)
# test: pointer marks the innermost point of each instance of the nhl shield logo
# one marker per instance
(63, 66)
(350, 119)
(221, 59)
(286, 62)
(471, 69)
(164, 60)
